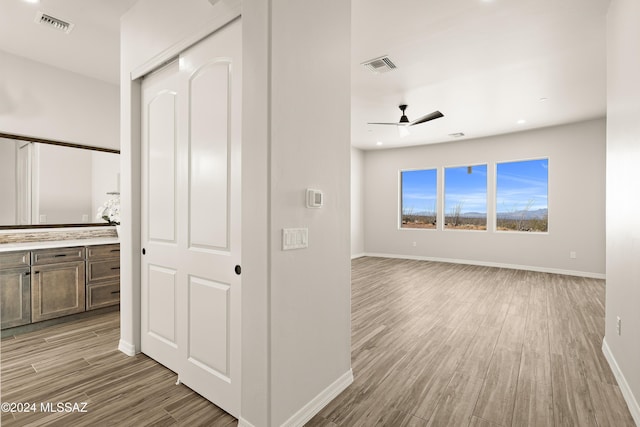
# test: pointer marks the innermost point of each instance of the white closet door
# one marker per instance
(192, 222)
(161, 263)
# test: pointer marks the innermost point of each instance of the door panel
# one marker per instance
(162, 304)
(211, 74)
(209, 91)
(159, 272)
(162, 169)
(209, 325)
(190, 292)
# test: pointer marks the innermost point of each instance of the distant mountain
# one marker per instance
(532, 214)
(471, 215)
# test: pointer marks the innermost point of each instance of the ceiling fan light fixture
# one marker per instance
(404, 121)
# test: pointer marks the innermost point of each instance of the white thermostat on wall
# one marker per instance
(315, 198)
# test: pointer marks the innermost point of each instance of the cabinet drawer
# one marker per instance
(98, 271)
(103, 251)
(14, 259)
(103, 295)
(54, 256)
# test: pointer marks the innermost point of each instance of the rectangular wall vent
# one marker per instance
(379, 65)
(50, 21)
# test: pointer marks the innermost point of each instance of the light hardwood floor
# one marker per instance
(436, 344)
(79, 362)
(432, 344)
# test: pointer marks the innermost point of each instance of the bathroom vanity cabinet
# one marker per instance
(44, 284)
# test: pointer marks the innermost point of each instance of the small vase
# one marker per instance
(118, 230)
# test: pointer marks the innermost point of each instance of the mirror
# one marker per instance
(48, 183)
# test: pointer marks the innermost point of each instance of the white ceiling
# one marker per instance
(485, 64)
(92, 48)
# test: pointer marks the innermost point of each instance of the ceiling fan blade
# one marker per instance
(394, 124)
(428, 117)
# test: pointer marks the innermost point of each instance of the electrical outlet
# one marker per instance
(414, 244)
(573, 255)
(618, 325)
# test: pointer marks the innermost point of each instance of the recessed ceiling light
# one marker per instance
(31, 1)
(543, 99)
(521, 121)
(379, 143)
(456, 135)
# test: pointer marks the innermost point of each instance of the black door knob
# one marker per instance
(144, 251)
(238, 270)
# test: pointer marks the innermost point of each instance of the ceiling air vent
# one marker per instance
(50, 21)
(379, 65)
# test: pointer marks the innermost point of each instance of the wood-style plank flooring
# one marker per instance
(79, 362)
(436, 344)
(432, 344)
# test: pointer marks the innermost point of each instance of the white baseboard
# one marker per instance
(244, 423)
(354, 256)
(320, 401)
(632, 403)
(127, 348)
(493, 264)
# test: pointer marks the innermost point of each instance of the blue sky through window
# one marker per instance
(466, 189)
(522, 185)
(419, 191)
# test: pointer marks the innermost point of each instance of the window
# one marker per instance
(465, 198)
(419, 195)
(521, 196)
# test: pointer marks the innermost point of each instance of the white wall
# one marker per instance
(310, 288)
(42, 101)
(296, 304)
(357, 203)
(8, 182)
(576, 155)
(623, 201)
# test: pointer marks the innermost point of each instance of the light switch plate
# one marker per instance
(295, 238)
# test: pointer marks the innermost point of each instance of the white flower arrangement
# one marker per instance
(110, 211)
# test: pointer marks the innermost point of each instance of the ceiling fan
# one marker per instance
(404, 120)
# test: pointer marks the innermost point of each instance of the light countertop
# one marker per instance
(30, 246)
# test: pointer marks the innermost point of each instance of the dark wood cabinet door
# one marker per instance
(57, 290)
(15, 297)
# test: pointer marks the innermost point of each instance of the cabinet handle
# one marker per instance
(115, 250)
(59, 255)
(27, 273)
(115, 268)
(115, 292)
